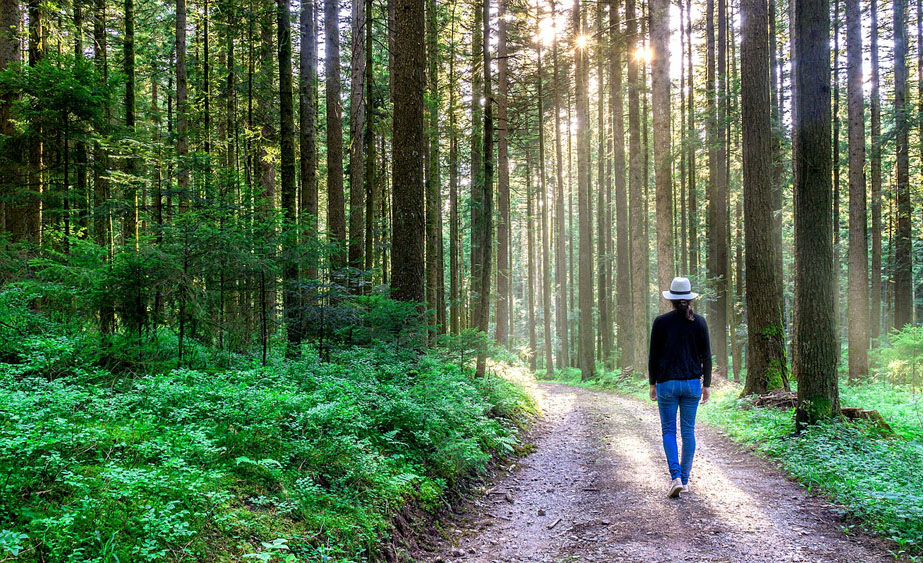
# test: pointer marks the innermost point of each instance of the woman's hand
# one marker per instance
(706, 394)
(653, 392)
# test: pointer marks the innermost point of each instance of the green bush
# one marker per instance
(309, 458)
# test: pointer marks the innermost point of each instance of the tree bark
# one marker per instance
(875, 300)
(357, 117)
(9, 174)
(903, 264)
(858, 309)
(585, 280)
(409, 146)
(560, 268)
(816, 350)
(625, 317)
(503, 183)
(766, 366)
(484, 232)
(287, 186)
(603, 191)
(636, 206)
(307, 133)
(433, 179)
(660, 100)
(336, 207)
(544, 202)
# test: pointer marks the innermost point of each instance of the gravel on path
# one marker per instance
(595, 490)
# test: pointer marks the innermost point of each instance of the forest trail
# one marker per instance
(594, 490)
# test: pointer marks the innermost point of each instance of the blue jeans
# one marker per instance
(684, 395)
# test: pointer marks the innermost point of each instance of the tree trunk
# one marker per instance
(433, 180)
(544, 202)
(719, 322)
(766, 364)
(503, 184)
(307, 88)
(130, 232)
(625, 317)
(287, 177)
(336, 207)
(903, 264)
(357, 117)
(485, 223)
(182, 146)
(636, 233)
(530, 250)
(858, 236)
(28, 215)
(660, 100)
(604, 190)
(454, 242)
(875, 300)
(560, 267)
(693, 139)
(477, 164)
(585, 281)
(409, 228)
(816, 350)
(9, 174)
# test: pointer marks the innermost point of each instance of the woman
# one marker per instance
(679, 373)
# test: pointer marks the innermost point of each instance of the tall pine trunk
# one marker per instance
(766, 366)
(287, 186)
(357, 117)
(560, 232)
(903, 265)
(409, 229)
(585, 281)
(503, 183)
(484, 229)
(816, 350)
(336, 206)
(875, 301)
(660, 102)
(636, 206)
(858, 309)
(307, 133)
(544, 202)
(624, 317)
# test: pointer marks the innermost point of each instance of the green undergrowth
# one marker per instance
(303, 460)
(874, 476)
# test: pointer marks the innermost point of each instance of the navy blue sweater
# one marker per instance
(679, 349)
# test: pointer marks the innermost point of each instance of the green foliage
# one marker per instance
(301, 456)
(301, 460)
(875, 477)
(900, 357)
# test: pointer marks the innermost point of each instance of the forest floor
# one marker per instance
(594, 489)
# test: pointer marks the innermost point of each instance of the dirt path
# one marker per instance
(594, 490)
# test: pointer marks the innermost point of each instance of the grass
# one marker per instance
(299, 461)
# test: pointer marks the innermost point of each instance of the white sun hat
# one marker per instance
(680, 288)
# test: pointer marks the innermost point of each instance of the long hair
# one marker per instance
(690, 314)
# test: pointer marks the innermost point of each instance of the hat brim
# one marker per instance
(679, 297)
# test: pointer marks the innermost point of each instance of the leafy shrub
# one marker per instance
(308, 457)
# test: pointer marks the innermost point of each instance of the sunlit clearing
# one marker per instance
(644, 53)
